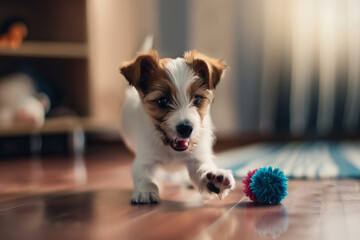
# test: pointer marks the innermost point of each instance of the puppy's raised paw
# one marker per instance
(144, 197)
(219, 181)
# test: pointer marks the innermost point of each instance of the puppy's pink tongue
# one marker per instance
(181, 144)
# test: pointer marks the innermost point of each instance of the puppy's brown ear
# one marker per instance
(138, 70)
(211, 70)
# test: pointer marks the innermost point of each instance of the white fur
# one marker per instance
(182, 77)
(140, 136)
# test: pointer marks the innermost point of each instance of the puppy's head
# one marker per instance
(176, 93)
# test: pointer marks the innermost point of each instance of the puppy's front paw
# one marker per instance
(146, 195)
(218, 181)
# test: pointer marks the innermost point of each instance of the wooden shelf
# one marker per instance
(60, 125)
(51, 125)
(48, 50)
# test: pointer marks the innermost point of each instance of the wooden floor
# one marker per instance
(88, 198)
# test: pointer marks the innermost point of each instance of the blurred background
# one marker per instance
(294, 66)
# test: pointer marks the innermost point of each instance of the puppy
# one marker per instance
(166, 121)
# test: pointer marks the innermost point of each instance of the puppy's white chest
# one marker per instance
(173, 166)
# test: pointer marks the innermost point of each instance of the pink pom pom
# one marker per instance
(246, 181)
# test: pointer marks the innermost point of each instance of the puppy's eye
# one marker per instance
(197, 100)
(163, 102)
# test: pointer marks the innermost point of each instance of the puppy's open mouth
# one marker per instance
(180, 144)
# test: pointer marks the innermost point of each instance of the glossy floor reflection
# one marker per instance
(88, 198)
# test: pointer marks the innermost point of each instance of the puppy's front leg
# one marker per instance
(146, 190)
(209, 178)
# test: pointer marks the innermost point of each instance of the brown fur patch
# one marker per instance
(199, 89)
(148, 75)
(211, 70)
(138, 71)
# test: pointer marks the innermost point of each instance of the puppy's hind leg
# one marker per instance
(146, 190)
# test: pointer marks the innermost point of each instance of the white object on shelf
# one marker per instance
(48, 49)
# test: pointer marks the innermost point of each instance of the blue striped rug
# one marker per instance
(313, 160)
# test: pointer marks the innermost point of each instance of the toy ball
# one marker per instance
(266, 185)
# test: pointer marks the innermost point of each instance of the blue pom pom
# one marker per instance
(269, 186)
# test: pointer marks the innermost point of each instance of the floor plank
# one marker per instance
(88, 198)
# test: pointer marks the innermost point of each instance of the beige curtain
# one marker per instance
(319, 40)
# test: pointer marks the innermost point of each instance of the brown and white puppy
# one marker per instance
(166, 121)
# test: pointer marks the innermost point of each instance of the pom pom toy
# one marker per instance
(266, 185)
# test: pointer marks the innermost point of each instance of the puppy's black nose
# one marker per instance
(184, 129)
